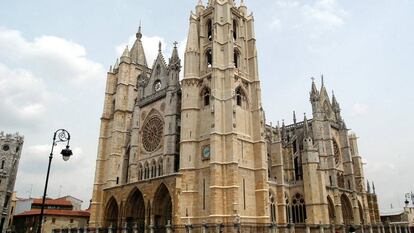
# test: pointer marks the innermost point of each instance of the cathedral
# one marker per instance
(196, 154)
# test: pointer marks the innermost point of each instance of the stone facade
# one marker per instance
(10, 150)
(196, 155)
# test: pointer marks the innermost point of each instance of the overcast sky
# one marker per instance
(54, 56)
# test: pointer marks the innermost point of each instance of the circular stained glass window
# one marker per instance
(152, 133)
(6, 147)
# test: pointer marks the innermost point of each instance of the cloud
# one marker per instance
(23, 97)
(49, 57)
(313, 18)
(359, 109)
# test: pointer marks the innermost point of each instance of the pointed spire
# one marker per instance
(126, 52)
(110, 68)
(368, 187)
(294, 117)
(137, 53)
(175, 61)
(116, 66)
(139, 33)
(335, 104)
(373, 187)
(306, 126)
(159, 46)
(314, 94)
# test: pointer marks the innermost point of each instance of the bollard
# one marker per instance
(370, 229)
(383, 228)
(151, 228)
(307, 229)
(110, 228)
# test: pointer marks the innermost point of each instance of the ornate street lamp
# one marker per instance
(61, 135)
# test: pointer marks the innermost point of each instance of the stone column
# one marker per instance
(395, 228)
(307, 228)
(399, 229)
(383, 228)
(370, 229)
(362, 228)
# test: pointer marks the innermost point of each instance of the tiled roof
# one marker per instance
(59, 202)
(55, 212)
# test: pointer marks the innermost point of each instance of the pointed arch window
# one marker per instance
(236, 58)
(209, 30)
(298, 168)
(140, 172)
(209, 58)
(160, 168)
(206, 96)
(2, 164)
(235, 29)
(298, 209)
(240, 97)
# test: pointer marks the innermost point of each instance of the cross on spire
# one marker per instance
(175, 44)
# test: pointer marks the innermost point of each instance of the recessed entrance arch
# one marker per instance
(162, 209)
(135, 210)
(347, 214)
(111, 213)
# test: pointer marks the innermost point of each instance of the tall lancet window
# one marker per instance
(206, 96)
(234, 29)
(209, 30)
(209, 58)
(236, 58)
(241, 98)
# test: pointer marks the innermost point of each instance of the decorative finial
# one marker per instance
(294, 117)
(159, 46)
(139, 33)
(323, 82)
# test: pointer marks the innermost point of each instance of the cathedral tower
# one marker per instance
(222, 153)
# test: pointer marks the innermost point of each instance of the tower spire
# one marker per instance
(137, 51)
(314, 94)
(368, 187)
(305, 126)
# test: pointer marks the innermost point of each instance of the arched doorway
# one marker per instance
(162, 209)
(331, 210)
(135, 211)
(111, 213)
(347, 214)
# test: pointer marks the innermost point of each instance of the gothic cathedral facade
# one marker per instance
(196, 154)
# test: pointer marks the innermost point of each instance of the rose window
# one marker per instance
(152, 134)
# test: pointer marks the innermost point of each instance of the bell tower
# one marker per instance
(223, 158)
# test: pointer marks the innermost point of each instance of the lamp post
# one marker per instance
(61, 135)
